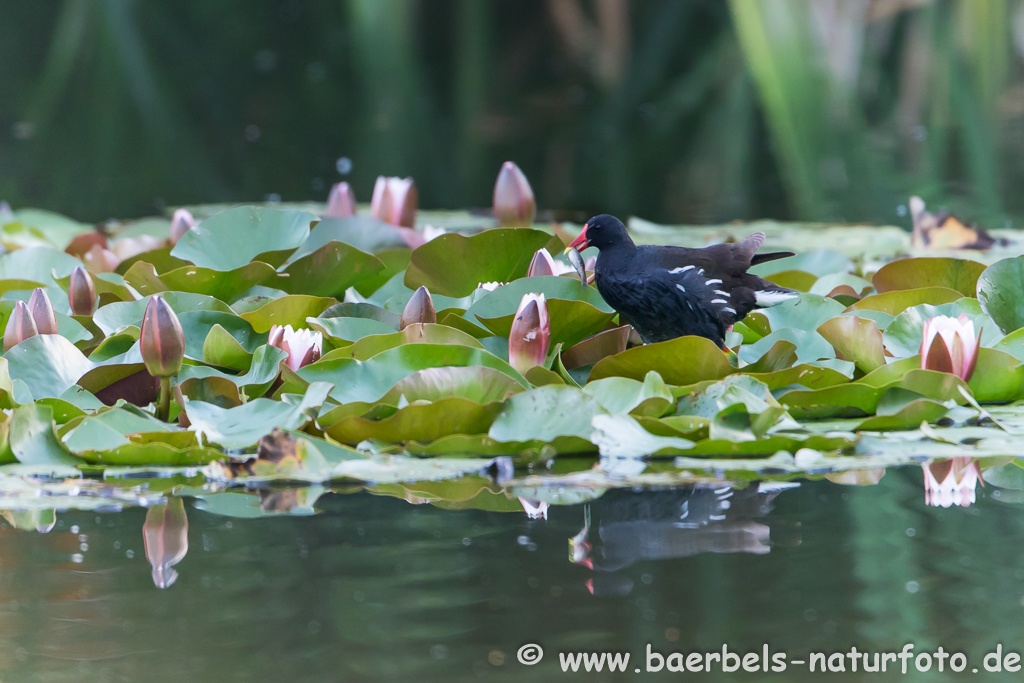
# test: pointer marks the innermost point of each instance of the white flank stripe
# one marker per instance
(730, 309)
(772, 298)
(718, 291)
(719, 301)
(675, 271)
(713, 282)
(681, 288)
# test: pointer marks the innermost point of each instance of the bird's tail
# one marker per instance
(774, 256)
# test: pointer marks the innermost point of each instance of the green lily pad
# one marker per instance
(500, 255)
(33, 439)
(704, 361)
(220, 284)
(999, 289)
(903, 335)
(571, 321)
(810, 345)
(369, 380)
(48, 363)
(855, 339)
(222, 349)
(288, 310)
(650, 398)
(816, 262)
(807, 312)
(913, 273)
(369, 311)
(264, 369)
(420, 422)
(37, 264)
(418, 333)
(115, 316)
(898, 301)
(545, 414)
(798, 280)
(233, 238)
(998, 377)
(327, 271)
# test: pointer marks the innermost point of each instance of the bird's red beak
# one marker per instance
(580, 243)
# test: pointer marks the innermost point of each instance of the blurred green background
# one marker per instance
(677, 111)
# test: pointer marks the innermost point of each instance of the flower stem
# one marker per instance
(163, 409)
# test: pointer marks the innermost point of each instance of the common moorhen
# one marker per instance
(667, 292)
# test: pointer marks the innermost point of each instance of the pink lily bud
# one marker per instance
(20, 326)
(81, 292)
(395, 201)
(342, 201)
(951, 482)
(950, 345)
(420, 309)
(302, 346)
(181, 223)
(530, 337)
(165, 533)
(514, 205)
(42, 312)
(162, 340)
(542, 264)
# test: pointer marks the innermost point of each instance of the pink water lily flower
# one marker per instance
(950, 345)
(302, 346)
(530, 336)
(951, 482)
(395, 201)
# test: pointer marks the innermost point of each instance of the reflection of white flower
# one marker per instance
(951, 482)
(302, 346)
(535, 510)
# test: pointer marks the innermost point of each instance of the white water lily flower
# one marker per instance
(302, 346)
(950, 345)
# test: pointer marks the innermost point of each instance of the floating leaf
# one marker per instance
(288, 310)
(999, 292)
(912, 273)
(220, 284)
(704, 361)
(327, 271)
(903, 335)
(898, 301)
(33, 440)
(500, 255)
(545, 414)
(855, 339)
(233, 238)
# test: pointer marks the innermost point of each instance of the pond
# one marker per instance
(374, 586)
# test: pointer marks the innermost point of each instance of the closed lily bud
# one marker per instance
(81, 292)
(530, 337)
(302, 346)
(342, 201)
(951, 482)
(514, 205)
(950, 345)
(20, 326)
(542, 264)
(420, 309)
(42, 312)
(165, 533)
(181, 223)
(162, 340)
(395, 201)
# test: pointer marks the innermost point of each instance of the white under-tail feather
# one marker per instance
(766, 299)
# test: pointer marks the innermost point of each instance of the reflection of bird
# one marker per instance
(668, 292)
(646, 525)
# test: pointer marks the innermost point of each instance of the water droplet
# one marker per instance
(77, 558)
(344, 165)
(129, 554)
(439, 652)
(252, 132)
(911, 532)
(74, 529)
(466, 541)
(912, 586)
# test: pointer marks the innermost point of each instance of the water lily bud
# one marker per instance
(20, 326)
(950, 345)
(420, 309)
(951, 482)
(395, 201)
(181, 223)
(162, 340)
(542, 264)
(514, 205)
(530, 337)
(81, 292)
(42, 312)
(165, 533)
(302, 346)
(342, 201)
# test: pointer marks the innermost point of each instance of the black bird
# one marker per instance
(668, 292)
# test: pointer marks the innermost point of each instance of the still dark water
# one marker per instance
(375, 588)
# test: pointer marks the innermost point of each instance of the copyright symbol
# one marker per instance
(530, 654)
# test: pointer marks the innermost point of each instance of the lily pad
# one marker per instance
(220, 284)
(999, 289)
(912, 273)
(855, 339)
(705, 361)
(233, 238)
(898, 301)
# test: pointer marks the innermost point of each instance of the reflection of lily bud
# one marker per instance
(181, 223)
(535, 509)
(514, 205)
(420, 309)
(302, 346)
(166, 537)
(81, 292)
(863, 476)
(950, 345)
(20, 326)
(951, 482)
(579, 546)
(531, 333)
(42, 312)
(395, 201)
(161, 341)
(341, 203)
(542, 264)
